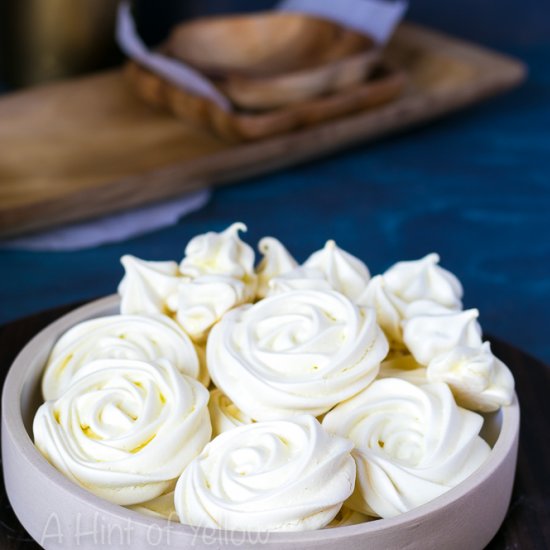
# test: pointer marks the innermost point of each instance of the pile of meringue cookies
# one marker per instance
(284, 397)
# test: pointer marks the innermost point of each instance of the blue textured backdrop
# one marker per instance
(474, 187)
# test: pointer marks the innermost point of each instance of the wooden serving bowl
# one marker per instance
(271, 59)
(61, 515)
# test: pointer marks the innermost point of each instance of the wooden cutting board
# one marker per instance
(86, 147)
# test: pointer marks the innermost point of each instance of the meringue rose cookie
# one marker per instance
(300, 278)
(295, 352)
(221, 254)
(346, 273)
(224, 415)
(424, 279)
(276, 261)
(412, 444)
(202, 302)
(430, 335)
(147, 286)
(478, 380)
(283, 475)
(124, 429)
(155, 339)
(403, 366)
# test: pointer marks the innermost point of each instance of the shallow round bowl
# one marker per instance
(59, 514)
(268, 60)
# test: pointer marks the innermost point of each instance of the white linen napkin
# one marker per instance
(111, 229)
(377, 18)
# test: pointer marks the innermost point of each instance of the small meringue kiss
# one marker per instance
(427, 336)
(346, 273)
(276, 261)
(479, 381)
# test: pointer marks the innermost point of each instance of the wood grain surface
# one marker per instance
(87, 147)
(527, 525)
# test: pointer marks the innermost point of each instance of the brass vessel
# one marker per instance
(43, 40)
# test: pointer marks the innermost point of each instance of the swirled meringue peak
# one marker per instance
(295, 352)
(153, 339)
(424, 279)
(346, 273)
(203, 301)
(147, 286)
(285, 475)
(224, 415)
(276, 261)
(221, 254)
(478, 380)
(124, 429)
(428, 336)
(412, 444)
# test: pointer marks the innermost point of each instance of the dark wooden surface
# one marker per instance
(527, 525)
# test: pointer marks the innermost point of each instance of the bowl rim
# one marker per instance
(12, 423)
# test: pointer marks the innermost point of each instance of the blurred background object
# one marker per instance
(493, 22)
(45, 40)
(475, 187)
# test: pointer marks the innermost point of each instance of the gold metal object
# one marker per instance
(48, 39)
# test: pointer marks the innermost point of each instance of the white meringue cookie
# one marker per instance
(276, 261)
(124, 429)
(478, 380)
(412, 444)
(153, 339)
(427, 336)
(300, 278)
(224, 415)
(424, 279)
(410, 289)
(285, 475)
(203, 301)
(221, 254)
(295, 352)
(147, 286)
(346, 273)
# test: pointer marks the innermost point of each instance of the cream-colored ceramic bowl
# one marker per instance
(59, 514)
